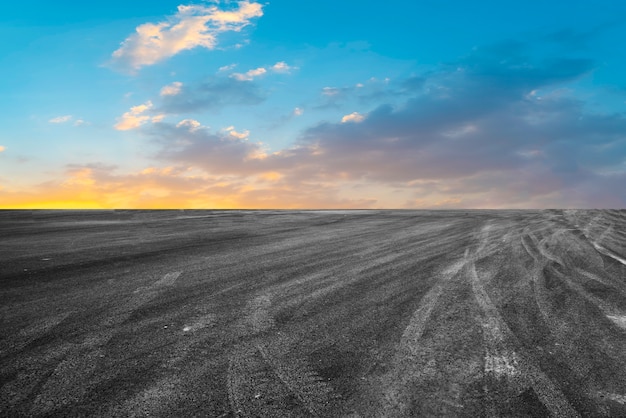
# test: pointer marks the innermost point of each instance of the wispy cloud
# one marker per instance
(192, 26)
(226, 68)
(249, 75)
(172, 89)
(214, 94)
(61, 119)
(282, 67)
(331, 91)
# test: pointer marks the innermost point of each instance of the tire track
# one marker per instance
(265, 378)
(71, 378)
(616, 315)
(608, 253)
(550, 281)
(505, 360)
(414, 330)
(33, 332)
(613, 313)
(405, 367)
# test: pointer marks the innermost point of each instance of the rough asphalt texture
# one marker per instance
(313, 313)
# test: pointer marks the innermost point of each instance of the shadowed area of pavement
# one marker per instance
(313, 313)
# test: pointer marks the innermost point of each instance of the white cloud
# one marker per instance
(279, 67)
(239, 135)
(61, 119)
(249, 75)
(298, 111)
(190, 124)
(282, 67)
(330, 91)
(80, 122)
(192, 26)
(172, 89)
(226, 68)
(353, 117)
(134, 118)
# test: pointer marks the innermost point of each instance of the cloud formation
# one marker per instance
(249, 75)
(189, 143)
(280, 67)
(239, 135)
(192, 26)
(226, 68)
(172, 89)
(137, 116)
(173, 186)
(212, 94)
(474, 133)
(61, 119)
(354, 117)
(494, 129)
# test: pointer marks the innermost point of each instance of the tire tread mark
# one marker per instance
(265, 362)
(499, 333)
(301, 380)
(409, 342)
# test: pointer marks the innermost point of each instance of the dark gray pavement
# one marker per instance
(313, 313)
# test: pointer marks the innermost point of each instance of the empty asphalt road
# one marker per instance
(313, 313)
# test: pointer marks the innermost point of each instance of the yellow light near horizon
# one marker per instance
(160, 205)
(54, 205)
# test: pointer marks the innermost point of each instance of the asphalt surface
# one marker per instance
(313, 313)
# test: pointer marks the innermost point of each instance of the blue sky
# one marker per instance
(283, 104)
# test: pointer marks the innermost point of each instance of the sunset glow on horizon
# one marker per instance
(308, 105)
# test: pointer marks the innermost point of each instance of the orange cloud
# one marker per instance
(271, 176)
(98, 187)
(136, 117)
(355, 117)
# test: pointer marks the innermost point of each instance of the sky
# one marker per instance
(425, 104)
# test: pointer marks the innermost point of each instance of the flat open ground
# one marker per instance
(313, 313)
